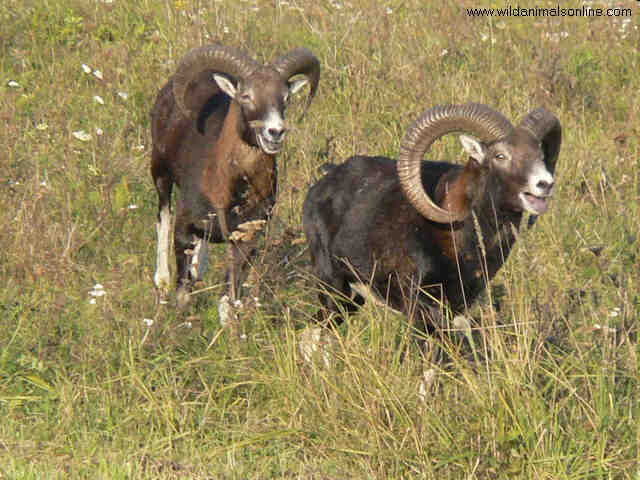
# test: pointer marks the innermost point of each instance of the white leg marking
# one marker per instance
(162, 278)
(226, 315)
(199, 259)
(315, 341)
(428, 376)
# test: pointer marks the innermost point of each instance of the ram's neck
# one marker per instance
(231, 160)
(478, 246)
(484, 242)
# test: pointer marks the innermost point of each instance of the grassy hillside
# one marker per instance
(105, 382)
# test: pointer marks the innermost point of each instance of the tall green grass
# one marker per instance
(119, 386)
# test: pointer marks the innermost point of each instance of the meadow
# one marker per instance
(100, 380)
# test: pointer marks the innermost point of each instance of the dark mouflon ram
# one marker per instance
(217, 126)
(426, 234)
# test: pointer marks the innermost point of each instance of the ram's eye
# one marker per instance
(500, 156)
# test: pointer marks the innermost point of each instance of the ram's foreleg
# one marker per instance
(162, 277)
(242, 248)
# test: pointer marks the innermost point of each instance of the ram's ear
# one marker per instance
(295, 86)
(474, 148)
(225, 85)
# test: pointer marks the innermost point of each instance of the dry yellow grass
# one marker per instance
(115, 386)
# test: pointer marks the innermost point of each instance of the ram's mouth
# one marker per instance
(533, 203)
(267, 146)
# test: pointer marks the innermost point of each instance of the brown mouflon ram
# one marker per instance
(217, 126)
(426, 234)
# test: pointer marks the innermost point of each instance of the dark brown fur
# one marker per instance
(224, 178)
(361, 228)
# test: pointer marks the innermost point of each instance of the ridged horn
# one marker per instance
(231, 61)
(300, 61)
(478, 120)
(545, 126)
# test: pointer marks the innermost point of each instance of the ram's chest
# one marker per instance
(483, 253)
(251, 201)
(240, 180)
(253, 183)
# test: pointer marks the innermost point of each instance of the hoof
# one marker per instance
(183, 297)
(162, 281)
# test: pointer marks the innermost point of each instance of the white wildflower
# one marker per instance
(98, 99)
(556, 36)
(389, 10)
(97, 74)
(86, 68)
(444, 52)
(42, 126)
(147, 321)
(99, 131)
(123, 95)
(92, 301)
(225, 29)
(98, 291)
(82, 135)
(132, 207)
(13, 84)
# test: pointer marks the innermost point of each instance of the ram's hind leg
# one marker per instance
(191, 256)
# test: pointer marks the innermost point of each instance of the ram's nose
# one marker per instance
(545, 187)
(275, 134)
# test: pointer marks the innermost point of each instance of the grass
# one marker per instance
(117, 386)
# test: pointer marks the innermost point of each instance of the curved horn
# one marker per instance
(479, 120)
(300, 61)
(228, 60)
(545, 126)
